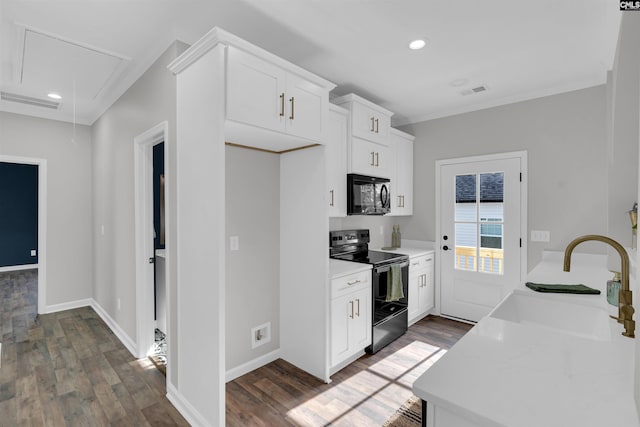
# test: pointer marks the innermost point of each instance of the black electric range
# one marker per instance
(389, 317)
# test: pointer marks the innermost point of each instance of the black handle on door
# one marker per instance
(445, 237)
(445, 248)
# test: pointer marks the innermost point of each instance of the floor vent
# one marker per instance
(37, 102)
(477, 89)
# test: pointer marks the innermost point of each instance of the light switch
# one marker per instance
(540, 236)
(234, 243)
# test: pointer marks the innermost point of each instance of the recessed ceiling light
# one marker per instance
(417, 44)
(54, 95)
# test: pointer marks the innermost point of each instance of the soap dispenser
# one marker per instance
(613, 289)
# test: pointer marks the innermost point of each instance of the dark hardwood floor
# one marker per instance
(69, 369)
(365, 393)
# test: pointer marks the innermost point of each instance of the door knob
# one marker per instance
(445, 248)
(445, 237)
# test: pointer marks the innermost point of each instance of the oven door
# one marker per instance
(383, 309)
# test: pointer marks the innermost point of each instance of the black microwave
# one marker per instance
(368, 195)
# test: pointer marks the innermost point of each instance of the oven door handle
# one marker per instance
(386, 268)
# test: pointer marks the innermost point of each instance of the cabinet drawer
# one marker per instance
(351, 283)
(420, 262)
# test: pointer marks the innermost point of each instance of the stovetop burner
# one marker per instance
(353, 245)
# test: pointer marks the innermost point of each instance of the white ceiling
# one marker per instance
(519, 50)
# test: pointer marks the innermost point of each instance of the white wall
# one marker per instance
(253, 272)
(150, 101)
(565, 137)
(69, 214)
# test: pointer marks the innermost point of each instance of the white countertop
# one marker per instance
(339, 268)
(503, 373)
(411, 248)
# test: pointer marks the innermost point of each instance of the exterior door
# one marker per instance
(480, 234)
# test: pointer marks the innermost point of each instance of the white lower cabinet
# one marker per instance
(350, 316)
(421, 286)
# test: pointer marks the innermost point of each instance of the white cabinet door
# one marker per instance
(360, 325)
(370, 124)
(340, 322)
(401, 145)
(265, 95)
(414, 290)
(336, 149)
(368, 158)
(306, 104)
(421, 287)
(255, 91)
(429, 288)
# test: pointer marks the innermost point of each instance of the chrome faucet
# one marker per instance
(625, 307)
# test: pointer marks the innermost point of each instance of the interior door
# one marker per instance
(480, 238)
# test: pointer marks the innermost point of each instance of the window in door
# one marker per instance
(479, 219)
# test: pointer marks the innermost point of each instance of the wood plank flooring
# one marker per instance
(69, 369)
(365, 393)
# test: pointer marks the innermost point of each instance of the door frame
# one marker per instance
(143, 169)
(42, 227)
(522, 155)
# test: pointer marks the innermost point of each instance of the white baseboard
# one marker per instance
(189, 413)
(251, 365)
(18, 267)
(68, 305)
(117, 330)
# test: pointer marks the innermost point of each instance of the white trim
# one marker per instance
(143, 164)
(42, 223)
(218, 36)
(70, 305)
(18, 267)
(115, 328)
(522, 155)
(252, 365)
(183, 406)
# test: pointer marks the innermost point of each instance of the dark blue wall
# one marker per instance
(18, 214)
(158, 169)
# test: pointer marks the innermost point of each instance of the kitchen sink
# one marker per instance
(553, 313)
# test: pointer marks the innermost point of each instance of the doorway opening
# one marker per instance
(152, 255)
(26, 186)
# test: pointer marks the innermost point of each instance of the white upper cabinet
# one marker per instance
(368, 120)
(401, 144)
(336, 155)
(368, 158)
(262, 94)
(368, 143)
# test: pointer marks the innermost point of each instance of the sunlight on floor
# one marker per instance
(388, 380)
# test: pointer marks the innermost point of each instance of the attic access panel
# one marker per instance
(50, 64)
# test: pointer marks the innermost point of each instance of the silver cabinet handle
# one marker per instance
(353, 282)
(331, 192)
(373, 159)
(377, 125)
(415, 263)
(282, 104)
(358, 313)
(293, 101)
(377, 159)
(351, 315)
(373, 129)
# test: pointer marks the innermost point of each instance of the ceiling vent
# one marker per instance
(477, 89)
(37, 102)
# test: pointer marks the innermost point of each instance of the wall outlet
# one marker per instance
(33, 252)
(540, 236)
(234, 243)
(260, 335)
